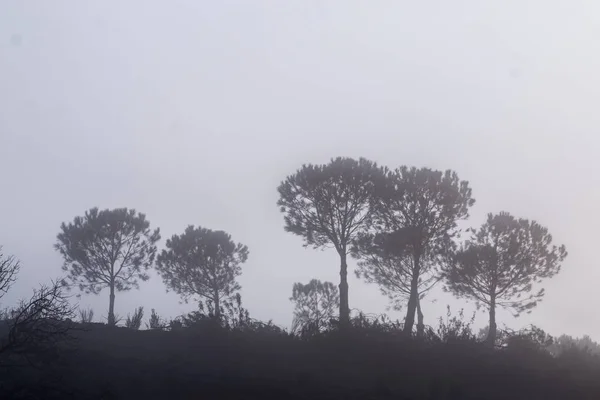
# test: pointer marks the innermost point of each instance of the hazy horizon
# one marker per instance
(194, 112)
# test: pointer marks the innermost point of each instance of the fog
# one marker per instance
(193, 113)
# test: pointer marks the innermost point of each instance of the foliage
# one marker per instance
(86, 316)
(566, 343)
(233, 314)
(155, 322)
(328, 205)
(453, 329)
(386, 259)
(500, 264)
(315, 305)
(417, 214)
(529, 339)
(135, 321)
(203, 263)
(108, 248)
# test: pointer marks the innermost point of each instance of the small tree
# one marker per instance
(203, 263)
(109, 248)
(135, 321)
(35, 324)
(425, 206)
(155, 322)
(328, 205)
(315, 305)
(500, 264)
(386, 259)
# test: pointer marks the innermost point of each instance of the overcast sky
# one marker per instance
(194, 111)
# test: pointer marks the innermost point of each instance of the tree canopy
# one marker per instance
(500, 264)
(420, 208)
(202, 263)
(108, 248)
(328, 205)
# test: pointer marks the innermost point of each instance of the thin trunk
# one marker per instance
(317, 316)
(344, 306)
(420, 324)
(413, 300)
(217, 305)
(111, 306)
(491, 338)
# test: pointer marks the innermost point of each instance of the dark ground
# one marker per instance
(214, 363)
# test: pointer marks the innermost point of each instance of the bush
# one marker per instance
(135, 321)
(453, 329)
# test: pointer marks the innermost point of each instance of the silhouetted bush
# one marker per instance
(453, 329)
(135, 321)
(155, 322)
(86, 316)
(207, 358)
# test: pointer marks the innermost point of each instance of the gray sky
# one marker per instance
(193, 112)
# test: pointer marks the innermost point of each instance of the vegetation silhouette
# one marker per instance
(401, 226)
(203, 263)
(328, 205)
(107, 248)
(500, 264)
(314, 306)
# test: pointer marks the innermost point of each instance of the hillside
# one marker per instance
(210, 362)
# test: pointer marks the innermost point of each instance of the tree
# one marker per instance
(9, 269)
(328, 205)
(315, 305)
(204, 263)
(37, 323)
(386, 259)
(108, 248)
(34, 324)
(155, 321)
(135, 321)
(421, 208)
(501, 262)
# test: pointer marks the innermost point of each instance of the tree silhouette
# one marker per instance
(35, 324)
(155, 321)
(108, 248)
(500, 264)
(204, 263)
(315, 305)
(328, 205)
(9, 269)
(386, 259)
(422, 207)
(135, 321)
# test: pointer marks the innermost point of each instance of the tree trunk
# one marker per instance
(344, 306)
(413, 299)
(420, 324)
(217, 301)
(111, 306)
(491, 338)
